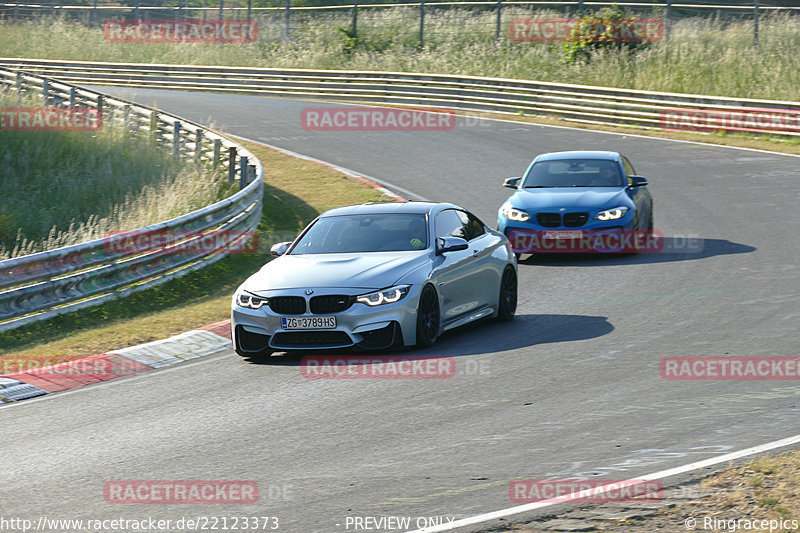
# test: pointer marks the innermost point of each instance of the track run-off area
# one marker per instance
(571, 388)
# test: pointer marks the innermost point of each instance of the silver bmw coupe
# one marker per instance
(376, 276)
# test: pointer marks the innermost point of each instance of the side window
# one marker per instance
(628, 168)
(473, 226)
(448, 224)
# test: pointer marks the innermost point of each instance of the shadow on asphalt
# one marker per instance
(675, 249)
(482, 337)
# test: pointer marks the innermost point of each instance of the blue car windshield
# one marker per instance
(372, 232)
(574, 173)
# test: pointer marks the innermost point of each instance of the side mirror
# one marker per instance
(511, 183)
(637, 181)
(279, 249)
(451, 244)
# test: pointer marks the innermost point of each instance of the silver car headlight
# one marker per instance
(385, 296)
(250, 301)
(612, 214)
(514, 214)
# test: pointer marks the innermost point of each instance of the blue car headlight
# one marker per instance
(612, 214)
(385, 296)
(516, 215)
(250, 301)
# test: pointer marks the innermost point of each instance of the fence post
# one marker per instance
(217, 152)
(499, 19)
(198, 143)
(755, 23)
(286, 21)
(231, 164)
(242, 172)
(355, 19)
(176, 139)
(421, 23)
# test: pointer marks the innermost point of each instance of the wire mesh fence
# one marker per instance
(376, 26)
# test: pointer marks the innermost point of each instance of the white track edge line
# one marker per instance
(388, 186)
(485, 517)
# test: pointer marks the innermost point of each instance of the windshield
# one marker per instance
(365, 233)
(574, 173)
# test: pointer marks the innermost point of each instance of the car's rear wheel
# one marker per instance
(507, 302)
(428, 317)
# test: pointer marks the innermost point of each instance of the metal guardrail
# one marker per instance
(45, 284)
(578, 103)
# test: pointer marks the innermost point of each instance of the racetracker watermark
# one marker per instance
(525, 241)
(585, 490)
(738, 119)
(50, 119)
(730, 368)
(331, 367)
(184, 31)
(376, 119)
(181, 242)
(180, 492)
(633, 30)
(101, 367)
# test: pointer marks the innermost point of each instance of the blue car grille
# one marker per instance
(548, 220)
(553, 220)
(573, 220)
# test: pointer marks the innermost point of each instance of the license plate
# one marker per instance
(566, 234)
(308, 322)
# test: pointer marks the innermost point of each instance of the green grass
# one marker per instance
(61, 188)
(703, 56)
(295, 192)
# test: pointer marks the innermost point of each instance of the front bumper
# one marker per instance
(362, 326)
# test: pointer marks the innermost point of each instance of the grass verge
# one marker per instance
(295, 192)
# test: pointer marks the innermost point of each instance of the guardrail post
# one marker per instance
(198, 144)
(580, 8)
(667, 14)
(243, 172)
(16, 10)
(176, 139)
(231, 164)
(217, 152)
(249, 9)
(100, 105)
(126, 117)
(72, 96)
(136, 10)
(499, 19)
(19, 84)
(153, 125)
(221, 7)
(45, 92)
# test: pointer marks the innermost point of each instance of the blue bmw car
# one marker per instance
(567, 196)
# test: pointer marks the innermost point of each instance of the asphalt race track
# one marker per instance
(570, 388)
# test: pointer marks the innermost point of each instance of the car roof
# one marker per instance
(580, 154)
(421, 208)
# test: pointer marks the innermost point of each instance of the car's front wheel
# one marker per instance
(428, 317)
(507, 302)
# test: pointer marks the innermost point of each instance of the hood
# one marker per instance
(374, 270)
(584, 198)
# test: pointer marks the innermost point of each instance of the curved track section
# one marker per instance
(571, 388)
